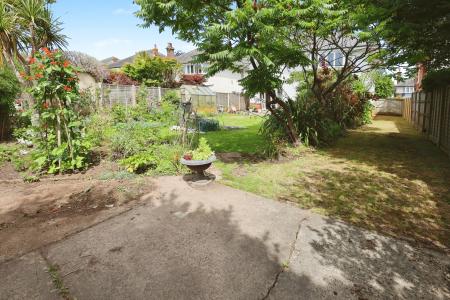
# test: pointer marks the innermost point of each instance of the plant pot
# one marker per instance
(198, 166)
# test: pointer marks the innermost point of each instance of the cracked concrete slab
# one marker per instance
(217, 243)
(333, 260)
(221, 243)
(26, 278)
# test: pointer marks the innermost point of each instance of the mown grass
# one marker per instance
(245, 140)
(384, 177)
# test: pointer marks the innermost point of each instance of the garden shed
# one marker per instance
(202, 97)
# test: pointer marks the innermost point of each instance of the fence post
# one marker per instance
(228, 101)
(101, 94)
(133, 95)
(159, 94)
(239, 101)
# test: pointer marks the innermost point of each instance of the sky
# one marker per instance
(105, 28)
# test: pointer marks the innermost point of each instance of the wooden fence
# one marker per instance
(430, 114)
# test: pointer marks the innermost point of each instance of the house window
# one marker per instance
(195, 69)
(408, 89)
(335, 58)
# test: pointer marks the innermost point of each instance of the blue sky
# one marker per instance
(104, 28)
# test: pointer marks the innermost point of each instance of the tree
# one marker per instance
(87, 64)
(415, 31)
(263, 38)
(153, 71)
(384, 86)
(25, 27)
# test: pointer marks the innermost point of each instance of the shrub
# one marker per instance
(172, 97)
(131, 138)
(203, 151)
(206, 125)
(9, 89)
(384, 86)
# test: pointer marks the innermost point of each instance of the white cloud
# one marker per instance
(111, 42)
(122, 11)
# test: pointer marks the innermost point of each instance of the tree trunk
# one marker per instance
(288, 123)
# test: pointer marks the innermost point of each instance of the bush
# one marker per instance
(9, 89)
(131, 138)
(384, 86)
(206, 125)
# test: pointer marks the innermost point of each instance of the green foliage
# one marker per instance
(59, 133)
(172, 97)
(384, 86)
(9, 89)
(203, 151)
(206, 125)
(411, 37)
(153, 71)
(436, 79)
(131, 138)
(158, 160)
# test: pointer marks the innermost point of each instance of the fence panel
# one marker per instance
(430, 114)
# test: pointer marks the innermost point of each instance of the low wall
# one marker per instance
(388, 107)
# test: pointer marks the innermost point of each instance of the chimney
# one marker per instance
(155, 51)
(170, 51)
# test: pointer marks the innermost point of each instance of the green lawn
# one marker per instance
(384, 177)
(246, 140)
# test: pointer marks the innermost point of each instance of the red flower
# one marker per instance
(23, 74)
(67, 89)
(41, 67)
(31, 60)
(47, 51)
(66, 63)
(53, 63)
(45, 105)
(38, 75)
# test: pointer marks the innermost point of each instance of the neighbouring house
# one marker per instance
(116, 65)
(405, 89)
(109, 60)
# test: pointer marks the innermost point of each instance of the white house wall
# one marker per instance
(225, 82)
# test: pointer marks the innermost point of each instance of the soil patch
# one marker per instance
(35, 214)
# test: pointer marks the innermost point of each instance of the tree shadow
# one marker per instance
(377, 267)
(172, 250)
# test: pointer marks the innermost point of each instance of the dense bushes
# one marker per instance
(9, 89)
(321, 122)
(384, 86)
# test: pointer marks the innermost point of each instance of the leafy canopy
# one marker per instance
(153, 71)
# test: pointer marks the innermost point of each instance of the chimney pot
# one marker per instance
(155, 51)
(170, 50)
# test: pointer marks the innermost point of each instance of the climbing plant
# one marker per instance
(58, 132)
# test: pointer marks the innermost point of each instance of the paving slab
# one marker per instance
(333, 260)
(216, 242)
(187, 243)
(26, 278)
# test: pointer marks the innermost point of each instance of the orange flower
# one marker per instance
(53, 63)
(31, 60)
(38, 75)
(46, 50)
(41, 67)
(67, 89)
(23, 74)
(66, 63)
(45, 105)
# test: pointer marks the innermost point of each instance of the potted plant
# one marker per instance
(200, 159)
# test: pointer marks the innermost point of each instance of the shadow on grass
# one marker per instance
(378, 201)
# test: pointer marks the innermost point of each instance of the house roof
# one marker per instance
(129, 60)
(187, 57)
(407, 82)
(109, 60)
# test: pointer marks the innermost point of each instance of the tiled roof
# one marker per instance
(187, 57)
(129, 60)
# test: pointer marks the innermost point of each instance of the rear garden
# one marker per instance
(384, 176)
